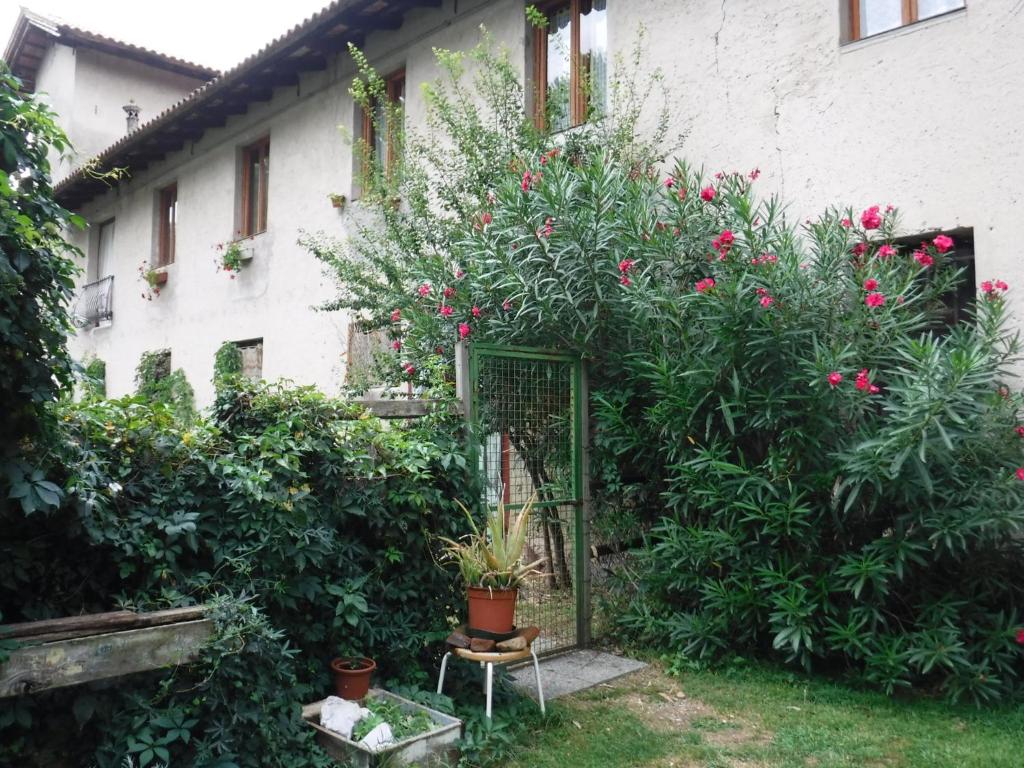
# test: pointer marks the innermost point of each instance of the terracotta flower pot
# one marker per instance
(352, 676)
(492, 610)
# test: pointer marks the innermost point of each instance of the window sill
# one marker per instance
(253, 246)
(907, 29)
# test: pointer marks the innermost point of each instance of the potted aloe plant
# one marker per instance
(490, 562)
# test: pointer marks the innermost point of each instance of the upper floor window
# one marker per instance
(381, 130)
(872, 17)
(105, 250)
(167, 213)
(255, 180)
(571, 63)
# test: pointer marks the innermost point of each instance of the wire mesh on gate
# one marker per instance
(527, 422)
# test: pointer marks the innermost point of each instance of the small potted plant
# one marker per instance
(230, 258)
(490, 562)
(153, 278)
(352, 676)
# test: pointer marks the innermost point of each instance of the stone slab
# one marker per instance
(573, 672)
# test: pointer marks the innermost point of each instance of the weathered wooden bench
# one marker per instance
(55, 653)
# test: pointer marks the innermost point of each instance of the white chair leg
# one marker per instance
(490, 687)
(540, 689)
(444, 666)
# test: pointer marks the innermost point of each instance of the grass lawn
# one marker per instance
(758, 716)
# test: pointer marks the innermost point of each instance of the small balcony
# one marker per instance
(95, 304)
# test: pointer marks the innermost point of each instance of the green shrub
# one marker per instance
(303, 520)
(869, 523)
(227, 365)
(94, 380)
(36, 281)
(157, 383)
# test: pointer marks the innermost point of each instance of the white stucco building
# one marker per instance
(919, 103)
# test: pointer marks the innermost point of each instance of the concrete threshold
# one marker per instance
(573, 672)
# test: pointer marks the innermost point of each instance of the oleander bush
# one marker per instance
(832, 473)
(304, 521)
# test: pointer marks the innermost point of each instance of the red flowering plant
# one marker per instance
(827, 473)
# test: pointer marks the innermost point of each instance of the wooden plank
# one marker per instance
(402, 409)
(101, 657)
(101, 623)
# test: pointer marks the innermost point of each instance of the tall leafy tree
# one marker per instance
(37, 272)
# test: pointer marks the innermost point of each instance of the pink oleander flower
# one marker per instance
(1002, 286)
(704, 285)
(396, 315)
(942, 243)
(625, 265)
(834, 379)
(445, 310)
(860, 249)
(862, 382)
(396, 345)
(762, 291)
(409, 369)
(874, 299)
(873, 389)
(923, 258)
(670, 182)
(1020, 473)
(767, 301)
(527, 180)
(725, 240)
(506, 305)
(707, 194)
(886, 251)
(476, 311)
(987, 286)
(1019, 431)
(463, 330)
(424, 289)
(486, 217)
(846, 222)
(870, 284)
(871, 219)
(459, 274)
(754, 174)
(1020, 637)
(682, 192)
(625, 281)
(449, 292)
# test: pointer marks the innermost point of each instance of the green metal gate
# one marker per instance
(527, 409)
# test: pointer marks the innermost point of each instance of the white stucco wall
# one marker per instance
(88, 88)
(928, 118)
(274, 297)
(105, 83)
(55, 85)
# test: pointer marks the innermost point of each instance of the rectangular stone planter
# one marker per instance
(431, 748)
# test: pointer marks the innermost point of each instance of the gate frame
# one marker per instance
(467, 371)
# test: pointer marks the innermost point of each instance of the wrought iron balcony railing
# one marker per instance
(95, 303)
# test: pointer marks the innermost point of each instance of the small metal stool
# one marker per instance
(488, 660)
